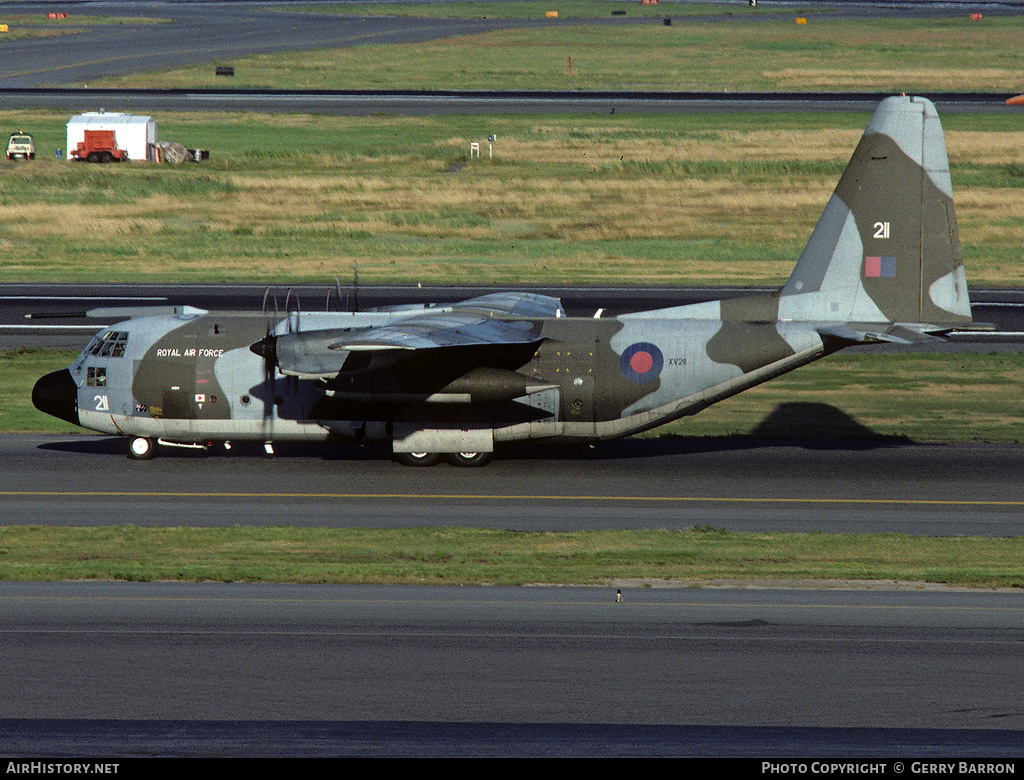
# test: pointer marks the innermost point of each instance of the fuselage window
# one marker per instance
(96, 376)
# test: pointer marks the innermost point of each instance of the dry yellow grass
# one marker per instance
(578, 199)
(985, 148)
(892, 80)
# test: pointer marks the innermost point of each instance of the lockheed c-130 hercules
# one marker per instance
(453, 381)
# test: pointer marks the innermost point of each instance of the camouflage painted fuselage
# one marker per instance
(196, 378)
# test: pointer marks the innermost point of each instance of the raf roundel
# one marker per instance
(641, 362)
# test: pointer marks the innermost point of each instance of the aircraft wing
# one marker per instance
(490, 324)
(452, 329)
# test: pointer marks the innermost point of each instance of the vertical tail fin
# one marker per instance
(886, 248)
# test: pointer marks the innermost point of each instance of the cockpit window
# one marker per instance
(109, 344)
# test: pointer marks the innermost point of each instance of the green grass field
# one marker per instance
(689, 199)
(444, 556)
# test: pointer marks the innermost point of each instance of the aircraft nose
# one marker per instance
(57, 395)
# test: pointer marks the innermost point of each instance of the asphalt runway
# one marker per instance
(736, 484)
(173, 669)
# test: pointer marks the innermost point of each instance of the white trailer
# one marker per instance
(135, 134)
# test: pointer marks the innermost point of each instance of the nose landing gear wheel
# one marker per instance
(141, 448)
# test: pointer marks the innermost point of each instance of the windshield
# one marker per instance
(111, 343)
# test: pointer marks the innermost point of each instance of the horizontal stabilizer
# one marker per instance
(896, 333)
(859, 335)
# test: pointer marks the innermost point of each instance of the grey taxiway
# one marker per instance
(173, 669)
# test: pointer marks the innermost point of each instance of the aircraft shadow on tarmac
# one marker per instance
(792, 424)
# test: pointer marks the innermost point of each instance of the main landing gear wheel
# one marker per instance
(417, 458)
(469, 459)
(141, 448)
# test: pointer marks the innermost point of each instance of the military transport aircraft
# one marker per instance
(453, 381)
